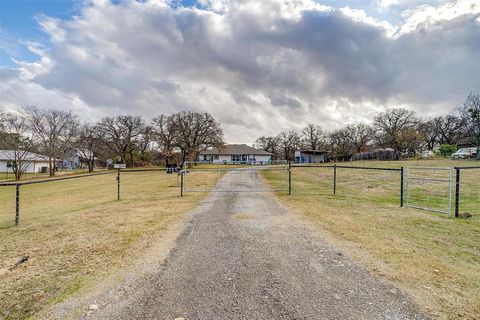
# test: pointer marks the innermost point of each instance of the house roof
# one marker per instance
(312, 151)
(8, 155)
(236, 149)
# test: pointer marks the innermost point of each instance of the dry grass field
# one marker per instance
(75, 232)
(428, 255)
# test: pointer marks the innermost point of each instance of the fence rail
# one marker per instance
(287, 186)
(22, 183)
(336, 167)
(18, 184)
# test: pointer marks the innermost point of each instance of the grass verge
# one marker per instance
(75, 232)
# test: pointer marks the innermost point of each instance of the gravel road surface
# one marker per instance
(243, 256)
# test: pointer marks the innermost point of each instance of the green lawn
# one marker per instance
(75, 231)
(432, 257)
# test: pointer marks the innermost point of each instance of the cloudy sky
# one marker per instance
(257, 66)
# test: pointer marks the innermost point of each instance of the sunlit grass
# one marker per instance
(75, 231)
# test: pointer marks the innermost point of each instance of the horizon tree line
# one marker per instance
(397, 128)
(124, 139)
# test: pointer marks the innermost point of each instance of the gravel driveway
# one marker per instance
(243, 256)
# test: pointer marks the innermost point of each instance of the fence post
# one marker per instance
(450, 178)
(289, 178)
(401, 187)
(457, 192)
(17, 203)
(118, 184)
(181, 183)
(335, 179)
(408, 186)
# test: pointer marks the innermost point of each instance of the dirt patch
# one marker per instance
(243, 216)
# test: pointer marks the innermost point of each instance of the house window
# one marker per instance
(235, 158)
(9, 164)
(205, 157)
(215, 157)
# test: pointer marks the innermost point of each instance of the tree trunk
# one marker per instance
(18, 173)
(478, 152)
(50, 167)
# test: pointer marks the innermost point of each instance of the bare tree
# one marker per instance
(54, 129)
(88, 144)
(470, 112)
(195, 132)
(18, 142)
(164, 136)
(313, 137)
(121, 134)
(147, 138)
(289, 141)
(361, 136)
(270, 144)
(342, 144)
(429, 133)
(449, 129)
(397, 129)
(3, 133)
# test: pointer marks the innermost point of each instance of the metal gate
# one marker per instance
(247, 177)
(429, 188)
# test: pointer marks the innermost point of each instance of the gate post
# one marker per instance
(289, 178)
(181, 183)
(17, 203)
(457, 192)
(335, 179)
(450, 178)
(118, 184)
(401, 187)
(408, 178)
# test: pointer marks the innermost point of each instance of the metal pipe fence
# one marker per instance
(335, 168)
(440, 189)
(20, 195)
(15, 195)
(430, 189)
(233, 178)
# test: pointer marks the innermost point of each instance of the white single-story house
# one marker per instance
(36, 163)
(235, 154)
(310, 156)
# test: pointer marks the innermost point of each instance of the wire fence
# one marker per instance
(41, 200)
(234, 178)
(467, 190)
(377, 184)
(435, 189)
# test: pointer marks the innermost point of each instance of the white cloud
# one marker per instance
(258, 67)
(429, 16)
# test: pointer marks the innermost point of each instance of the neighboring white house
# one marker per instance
(74, 159)
(235, 153)
(36, 163)
(310, 156)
